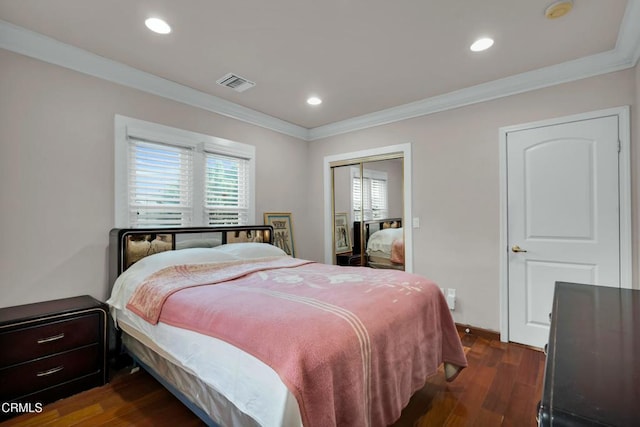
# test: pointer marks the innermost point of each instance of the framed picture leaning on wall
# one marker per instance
(342, 233)
(282, 230)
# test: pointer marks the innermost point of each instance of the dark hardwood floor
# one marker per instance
(501, 387)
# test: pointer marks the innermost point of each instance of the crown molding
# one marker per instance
(624, 55)
(29, 43)
(628, 43)
(544, 77)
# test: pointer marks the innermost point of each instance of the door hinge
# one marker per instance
(619, 146)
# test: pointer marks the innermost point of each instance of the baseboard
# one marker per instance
(479, 332)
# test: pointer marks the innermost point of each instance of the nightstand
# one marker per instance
(53, 349)
(349, 259)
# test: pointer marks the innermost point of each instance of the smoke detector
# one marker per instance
(235, 82)
(558, 9)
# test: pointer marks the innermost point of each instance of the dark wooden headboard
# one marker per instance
(371, 227)
(128, 245)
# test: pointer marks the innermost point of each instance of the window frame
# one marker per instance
(126, 127)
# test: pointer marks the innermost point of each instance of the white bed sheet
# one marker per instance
(240, 378)
(382, 240)
(189, 385)
(250, 385)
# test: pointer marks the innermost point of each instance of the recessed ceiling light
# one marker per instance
(314, 100)
(157, 25)
(481, 44)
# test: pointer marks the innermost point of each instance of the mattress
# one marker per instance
(232, 387)
(377, 259)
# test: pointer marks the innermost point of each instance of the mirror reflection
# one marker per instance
(368, 205)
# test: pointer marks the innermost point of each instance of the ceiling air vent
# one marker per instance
(237, 83)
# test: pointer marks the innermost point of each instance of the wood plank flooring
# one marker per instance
(501, 387)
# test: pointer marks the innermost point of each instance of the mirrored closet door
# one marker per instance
(368, 211)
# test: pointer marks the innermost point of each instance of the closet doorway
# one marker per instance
(368, 208)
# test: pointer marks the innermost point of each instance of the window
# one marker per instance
(159, 184)
(167, 177)
(226, 190)
(369, 194)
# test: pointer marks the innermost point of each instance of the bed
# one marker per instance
(383, 242)
(245, 335)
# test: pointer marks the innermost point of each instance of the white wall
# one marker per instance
(57, 174)
(456, 182)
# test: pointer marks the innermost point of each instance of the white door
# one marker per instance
(563, 217)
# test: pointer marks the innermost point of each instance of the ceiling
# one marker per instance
(362, 57)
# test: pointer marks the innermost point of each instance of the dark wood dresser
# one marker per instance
(51, 350)
(592, 372)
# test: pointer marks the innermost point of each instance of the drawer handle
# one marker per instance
(53, 338)
(50, 371)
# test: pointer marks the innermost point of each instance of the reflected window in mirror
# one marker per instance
(369, 195)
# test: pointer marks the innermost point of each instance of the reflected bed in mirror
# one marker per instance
(370, 186)
(383, 242)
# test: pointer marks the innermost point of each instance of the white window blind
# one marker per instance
(168, 177)
(369, 195)
(379, 206)
(226, 190)
(160, 184)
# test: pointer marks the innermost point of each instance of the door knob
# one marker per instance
(516, 248)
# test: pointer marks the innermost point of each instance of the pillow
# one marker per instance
(165, 259)
(128, 281)
(198, 243)
(251, 250)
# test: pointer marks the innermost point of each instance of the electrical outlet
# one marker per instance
(451, 299)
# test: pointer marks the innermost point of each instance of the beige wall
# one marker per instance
(56, 177)
(393, 168)
(57, 174)
(456, 182)
(635, 177)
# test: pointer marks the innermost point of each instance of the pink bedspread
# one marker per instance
(352, 344)
(397, 251)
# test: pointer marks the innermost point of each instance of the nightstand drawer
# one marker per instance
(39, 374)
(68, 388)
(24, 344)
